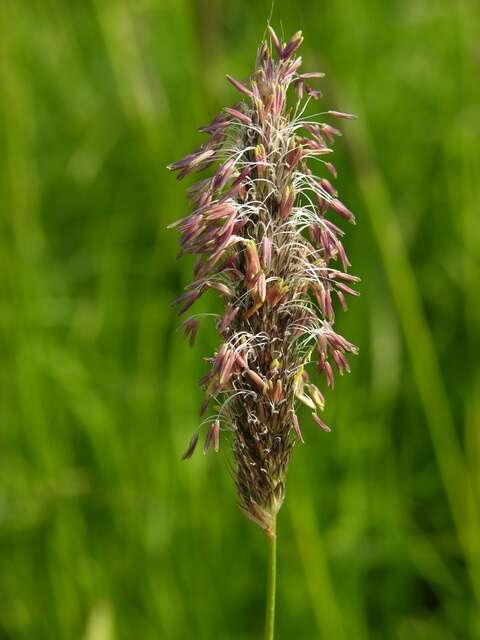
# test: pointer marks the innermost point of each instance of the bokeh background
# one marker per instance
(104, 533)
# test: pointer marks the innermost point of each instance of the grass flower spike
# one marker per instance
(264, 230)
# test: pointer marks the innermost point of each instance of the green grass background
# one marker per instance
(104, 533)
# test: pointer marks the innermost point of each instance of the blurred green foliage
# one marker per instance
(104, 532)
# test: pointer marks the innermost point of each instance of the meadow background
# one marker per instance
(104, 533)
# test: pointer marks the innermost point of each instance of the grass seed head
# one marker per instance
(262, 230)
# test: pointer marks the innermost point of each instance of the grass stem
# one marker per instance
(271, 584)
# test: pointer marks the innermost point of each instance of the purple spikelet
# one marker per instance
(263, 232)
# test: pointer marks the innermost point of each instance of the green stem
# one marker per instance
(271, 583)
